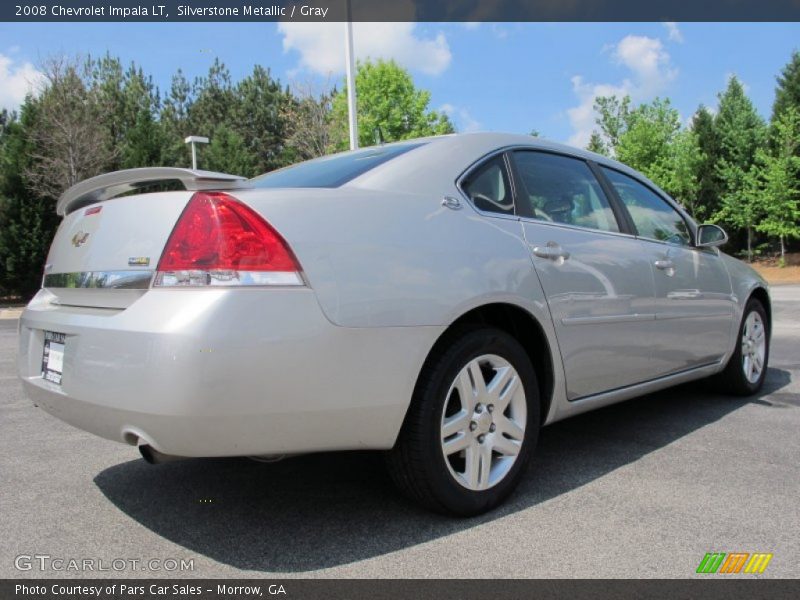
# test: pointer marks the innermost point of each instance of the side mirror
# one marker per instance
(709, 236)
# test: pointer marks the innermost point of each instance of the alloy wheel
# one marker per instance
(754, 347)
(483, 422)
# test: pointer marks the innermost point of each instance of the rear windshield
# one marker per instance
(332, 171)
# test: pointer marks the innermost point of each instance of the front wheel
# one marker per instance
(471, 427)
(746, 370)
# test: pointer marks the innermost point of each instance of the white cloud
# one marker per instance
(16, 80)
(651, 71)
(648, 61)
(464, 121)
(321, 45)
(673, 33)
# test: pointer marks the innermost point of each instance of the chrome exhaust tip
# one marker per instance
(154, 457)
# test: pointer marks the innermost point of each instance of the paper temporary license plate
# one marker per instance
(53, 356)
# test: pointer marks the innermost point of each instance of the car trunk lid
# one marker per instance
(108, 245)
(104, 255)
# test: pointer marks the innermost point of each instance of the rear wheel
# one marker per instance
(471, 427)
(747, 368)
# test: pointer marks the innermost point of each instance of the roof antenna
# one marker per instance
(379, 141)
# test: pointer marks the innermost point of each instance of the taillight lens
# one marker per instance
(220, 241)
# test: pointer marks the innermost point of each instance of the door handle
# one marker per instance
(664, 264)
(551, 251)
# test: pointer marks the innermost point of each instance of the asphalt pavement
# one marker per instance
(640, 489)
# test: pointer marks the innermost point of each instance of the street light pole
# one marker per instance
(195, 139)
(352, 115)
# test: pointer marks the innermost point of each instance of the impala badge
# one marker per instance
(139, 261)
(79, 239)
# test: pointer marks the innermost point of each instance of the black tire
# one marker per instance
(733, 379)
(417, 464)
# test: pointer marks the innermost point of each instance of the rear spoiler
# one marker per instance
(110, 185)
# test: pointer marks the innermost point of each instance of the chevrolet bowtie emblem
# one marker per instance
(79, 239)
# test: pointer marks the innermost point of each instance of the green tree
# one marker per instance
(787, 92)
(775, 180)
(646, 136)
(227, 152)
(649, 138)
(15, 150)
(27, 221)
(214, 100)
(613, 119)
(258, 117)
(129, 105)
(708, 181)
(741, 132)
(174, 121)
(249, 115)
(387, 99)
(142, 141)
(104, 78)
(680, 176)
(652, 141)
(596, 144)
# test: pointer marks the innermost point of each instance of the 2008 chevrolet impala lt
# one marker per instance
(440, 298)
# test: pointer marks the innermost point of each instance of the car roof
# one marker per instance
(488, 140)
(446, 156)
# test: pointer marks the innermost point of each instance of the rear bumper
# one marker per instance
(225, 372)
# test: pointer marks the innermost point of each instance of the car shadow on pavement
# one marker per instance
(324, 510)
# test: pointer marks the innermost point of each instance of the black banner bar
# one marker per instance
(406, 10)
(714, 588)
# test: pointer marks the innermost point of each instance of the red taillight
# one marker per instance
(220, 241)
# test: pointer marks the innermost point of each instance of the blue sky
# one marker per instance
(502, 77)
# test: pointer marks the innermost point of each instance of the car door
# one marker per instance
(598, 283)
(694, 301)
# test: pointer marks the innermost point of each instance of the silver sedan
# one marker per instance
(440, 299)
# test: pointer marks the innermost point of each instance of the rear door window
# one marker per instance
(489, 187)
(561, 189)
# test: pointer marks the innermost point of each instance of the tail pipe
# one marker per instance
(154, 457)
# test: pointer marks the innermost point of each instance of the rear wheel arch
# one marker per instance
(522, 326)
